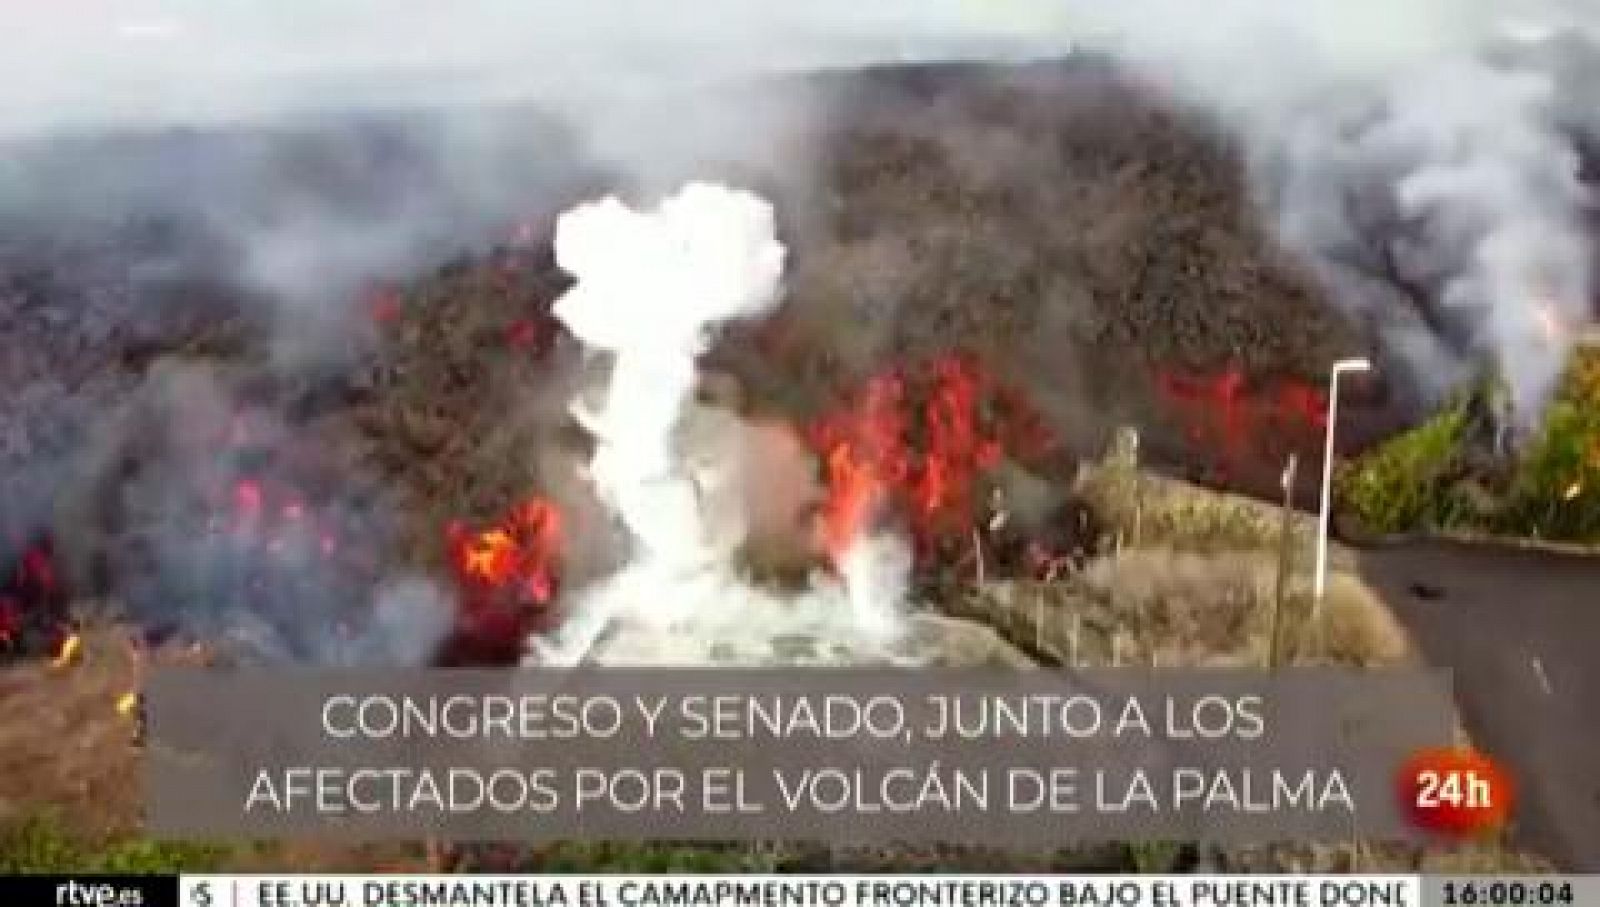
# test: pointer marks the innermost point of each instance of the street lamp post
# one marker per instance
(1339, 368)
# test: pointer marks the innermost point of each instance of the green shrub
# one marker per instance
(1154, 857)
(143, 855)
(1399, 486)
(620, 857)
(1556, 492)
(43, 844)
(1412, 481)
(38, 844)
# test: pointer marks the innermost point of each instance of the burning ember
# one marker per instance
(274, 517)
(383, 305)
(917, 441)
(258, 499)
(33, 602)
(534, 336)
(67, 655)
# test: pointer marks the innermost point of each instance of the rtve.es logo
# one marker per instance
(73, 893)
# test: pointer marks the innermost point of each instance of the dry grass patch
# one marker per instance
(1165, 607)
(64, 745)
(1143, 509)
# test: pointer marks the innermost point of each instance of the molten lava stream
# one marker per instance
(917, 442)
(507, 576)
(1232, 425)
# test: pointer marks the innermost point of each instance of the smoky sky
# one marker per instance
(89, 63)
(330, 143)
(303, 150)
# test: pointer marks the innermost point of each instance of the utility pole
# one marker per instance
(1321, 578)
(1285, 563)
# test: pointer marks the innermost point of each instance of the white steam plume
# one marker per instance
(650, 288)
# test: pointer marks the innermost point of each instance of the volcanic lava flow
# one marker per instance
(908, 451)
(507, 576)
(1223, 416)
(913, 443)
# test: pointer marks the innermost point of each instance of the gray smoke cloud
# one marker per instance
(306, 149)
(224, 530)
(1419, 154)
(1422, 156)
(96, 63)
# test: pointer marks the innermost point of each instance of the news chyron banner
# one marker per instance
(800, 891)
(1014, 760)
(1025, 761)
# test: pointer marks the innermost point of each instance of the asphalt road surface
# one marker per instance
(1521, 630)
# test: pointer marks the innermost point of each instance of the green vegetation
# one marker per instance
(1154, 857)
(1556, 493)
(1399, 487)
(1421, 480)
(43, 844)
(585, 856)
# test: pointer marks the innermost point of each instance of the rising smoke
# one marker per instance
(224, 522)
(1422, 157)
(324, 145)
(1422, 163)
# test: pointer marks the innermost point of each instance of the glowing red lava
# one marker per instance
(1229, 418)
(383, 305)
(916, 441)
(534, 336)
(33, 601)
(507, 573)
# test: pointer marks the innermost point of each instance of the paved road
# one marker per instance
(1521, 630)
